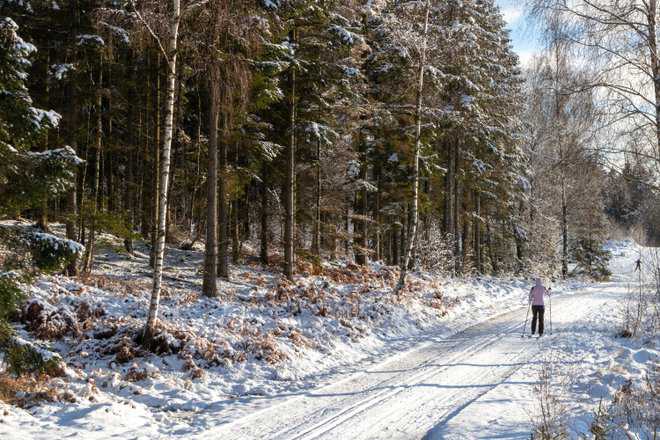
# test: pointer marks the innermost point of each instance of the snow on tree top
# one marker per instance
(55, 242)
(347, 37)
(50, 117)
(66, 154)
(120, 33)
(92, 40)
(271, 4)
(60, 71)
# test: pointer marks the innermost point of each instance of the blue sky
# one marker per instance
(525, 42)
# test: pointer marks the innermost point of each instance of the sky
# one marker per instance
(524, 40)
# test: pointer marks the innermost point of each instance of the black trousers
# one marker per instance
(537, 313)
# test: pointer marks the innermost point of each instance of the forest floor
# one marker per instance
(332, 355)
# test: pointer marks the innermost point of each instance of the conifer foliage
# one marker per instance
(300, 130)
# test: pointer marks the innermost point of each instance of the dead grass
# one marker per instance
(136, 373)
(26, 390)
(117, 285)
(634, 412)
(548, 419)
(442, 303)
(265, 347)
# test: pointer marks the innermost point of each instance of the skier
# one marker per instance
(538, 307)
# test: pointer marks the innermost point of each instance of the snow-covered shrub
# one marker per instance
(48, 252)
(633, 413)
(591, 259)
(435, 251)
(24, 357)
(10, 295)
(46, 321)
(51, 253)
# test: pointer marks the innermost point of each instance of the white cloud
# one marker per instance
(512, 13)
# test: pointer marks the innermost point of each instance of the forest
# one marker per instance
(291, 134)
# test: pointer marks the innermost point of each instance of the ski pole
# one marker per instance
(522, 335)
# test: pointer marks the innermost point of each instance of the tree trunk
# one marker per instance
(89, 251)
(42, 212)
(72, 195)
(150, 326)
(289, 226)
(235, 233)
(562, 165)
(477, 233)
(223, 208)
(144, 169)
(362, 207)
(316, 241)
(263, 254)
(491, 250)
(128, 184)
(651, 15)
(448, 221)
(377, 215)
(456, 223)
(564, 230)
(396, 239)
(155, 200)
(465, 242)
(418, 139)
(348, 244)
(209, 286)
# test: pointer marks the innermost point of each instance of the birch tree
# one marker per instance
(173, 18)
(619, 39)
(422, 41)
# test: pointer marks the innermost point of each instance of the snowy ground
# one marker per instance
(333, 356)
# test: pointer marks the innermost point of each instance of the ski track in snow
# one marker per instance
(433, 392)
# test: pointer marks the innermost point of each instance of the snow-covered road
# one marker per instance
(479, 381)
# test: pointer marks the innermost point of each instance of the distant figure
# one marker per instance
(538, 306)
(638, 264)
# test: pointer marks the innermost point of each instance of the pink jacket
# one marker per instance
(537, 292)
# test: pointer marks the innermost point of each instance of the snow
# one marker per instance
(350, 72)
(54, 242)
(445, 362)
(120, 33)
(93, 40)
(524, 184)
(21, 47)
(64, 154)
(271, 4)
(479, 166)
(60, 71)
(345, 36)
(50, 117)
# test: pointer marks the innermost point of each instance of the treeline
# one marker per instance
(372, 130)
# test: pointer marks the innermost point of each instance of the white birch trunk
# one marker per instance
(152, 318)
(418, 136)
